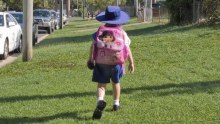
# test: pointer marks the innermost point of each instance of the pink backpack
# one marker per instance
(109, 46)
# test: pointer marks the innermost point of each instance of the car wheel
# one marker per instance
(6, 50)
(53, 29)
(19, 49)
(56, 27)
(35, 40)
(49, 30)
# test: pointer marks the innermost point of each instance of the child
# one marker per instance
(109, 61)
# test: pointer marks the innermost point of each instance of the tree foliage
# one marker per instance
(211, 8)
(99, 5)
(90, 5)
(17, 4)
(180, 11)
(14, 4)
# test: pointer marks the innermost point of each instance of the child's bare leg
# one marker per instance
(101, 88)
(101, 104)
(116, 93)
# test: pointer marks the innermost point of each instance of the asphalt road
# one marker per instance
(13, 56)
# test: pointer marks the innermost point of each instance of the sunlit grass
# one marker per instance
(176, 78)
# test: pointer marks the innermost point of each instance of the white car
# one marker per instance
(10, 35)
(19, 17)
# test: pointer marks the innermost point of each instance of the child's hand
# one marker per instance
(131, 67)
(90, 64)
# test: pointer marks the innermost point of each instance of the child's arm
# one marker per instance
(90, 62)
(131, 61)
(130, 57)
(91, 57)
(91, 53)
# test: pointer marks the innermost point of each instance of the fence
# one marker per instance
(198, 15)
(159, 13)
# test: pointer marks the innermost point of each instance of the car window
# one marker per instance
(1, 20)
(7, 19)
(18, 17)
(10, 18)
(42, 13)
(53, 14)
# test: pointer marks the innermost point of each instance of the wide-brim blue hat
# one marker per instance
(113, 15)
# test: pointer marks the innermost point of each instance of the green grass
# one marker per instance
(176, 78)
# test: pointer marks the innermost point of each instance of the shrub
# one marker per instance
(211, 8)
(180, 11)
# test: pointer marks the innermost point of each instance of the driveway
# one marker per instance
(13, 56)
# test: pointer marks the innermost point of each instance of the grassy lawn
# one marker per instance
(176, 78)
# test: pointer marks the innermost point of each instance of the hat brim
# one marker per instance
(121, 20)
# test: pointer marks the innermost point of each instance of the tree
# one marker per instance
(13, 4)
(17, 4)
(180, 11)
(2, 6)
(41, 4)
(211, 8)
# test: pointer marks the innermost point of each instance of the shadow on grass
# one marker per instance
(178, 89)
(42, 97)
(64, 40)
(173, 89)
(153, 30)
(19, 120)
(167, 28)
(166, 89)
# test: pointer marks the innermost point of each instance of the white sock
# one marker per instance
(99, 99)
(116, 102)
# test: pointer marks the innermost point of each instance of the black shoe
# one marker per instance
(98, 111)
(115, 107)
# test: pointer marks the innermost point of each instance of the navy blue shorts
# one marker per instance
(103, 73)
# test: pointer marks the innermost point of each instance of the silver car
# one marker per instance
(44, 19)
(56, 18)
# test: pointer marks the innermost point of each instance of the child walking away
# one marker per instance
(107, 56)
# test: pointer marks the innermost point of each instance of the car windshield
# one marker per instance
(42, 13)
(1, 20)
(18, 17)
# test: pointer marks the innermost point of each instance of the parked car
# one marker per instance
(65, 19)
(19, 17)
(10, 35)
(45, 20)
(56, 19)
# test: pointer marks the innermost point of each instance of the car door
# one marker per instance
(18, 30)
(13, 34)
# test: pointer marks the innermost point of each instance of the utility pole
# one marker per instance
(145, 8)
(61, 14)
(150, 10)
(77, 5)
(68, 8)
(83, 4)
(44, 4)
(27, 34)
(116, 2)
(136, 7)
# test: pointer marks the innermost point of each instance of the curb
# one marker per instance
(14, 56)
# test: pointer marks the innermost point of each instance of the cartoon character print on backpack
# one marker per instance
(107, 38)
(110, 45)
